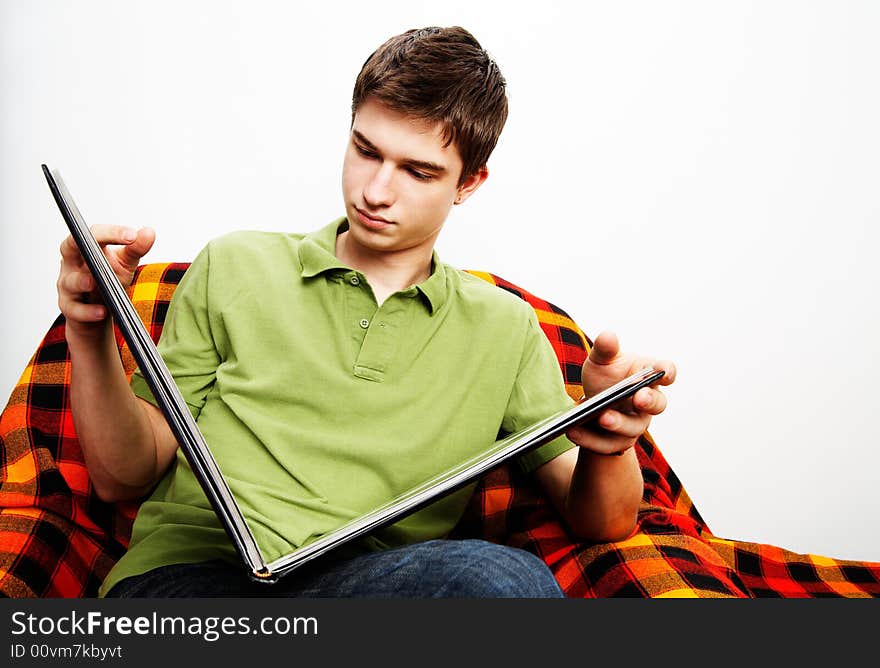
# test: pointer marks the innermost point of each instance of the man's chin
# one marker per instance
(370, 239)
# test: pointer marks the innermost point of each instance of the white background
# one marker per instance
(700, 177)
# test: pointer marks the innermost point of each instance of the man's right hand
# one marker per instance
(78, 296)
(127, 445)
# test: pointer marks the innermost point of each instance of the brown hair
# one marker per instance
(441, 75)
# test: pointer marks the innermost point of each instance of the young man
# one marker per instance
(332, 371)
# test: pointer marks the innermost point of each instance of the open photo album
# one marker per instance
(207, 471)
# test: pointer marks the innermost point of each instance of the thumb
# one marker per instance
(130, 255)
(605, 348)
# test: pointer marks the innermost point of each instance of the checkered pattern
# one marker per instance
(57, 539)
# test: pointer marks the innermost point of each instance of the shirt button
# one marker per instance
(365, 323)
(354, 280)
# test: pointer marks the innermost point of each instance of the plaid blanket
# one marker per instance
(57, 539)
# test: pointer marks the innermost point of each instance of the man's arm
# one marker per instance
(597, 492)
(126, 442)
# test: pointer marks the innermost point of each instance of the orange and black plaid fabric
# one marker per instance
(57, 539)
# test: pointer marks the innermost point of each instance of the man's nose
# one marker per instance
(378, 191)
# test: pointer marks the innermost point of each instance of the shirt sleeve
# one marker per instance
(539, 391)
(186, 343)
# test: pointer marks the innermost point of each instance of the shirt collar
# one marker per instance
(317, 251)
(434, 288)
(317, 254)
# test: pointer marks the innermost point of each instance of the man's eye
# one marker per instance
(365, 152)
(421, 176)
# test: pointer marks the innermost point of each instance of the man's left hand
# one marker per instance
(617, 429)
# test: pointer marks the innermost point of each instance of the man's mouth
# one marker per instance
(372, 222)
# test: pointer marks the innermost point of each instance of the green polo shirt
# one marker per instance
(320, 405)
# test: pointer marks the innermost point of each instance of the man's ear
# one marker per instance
(471, 183)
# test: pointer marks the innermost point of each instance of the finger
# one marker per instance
(113, 234)
(650, 401)
(599, 441)
(605, 348)
(669, 371)
(621, 424)
(82, 312)
(70, 251)
(77, 282)
(131, 254)
(667, 367)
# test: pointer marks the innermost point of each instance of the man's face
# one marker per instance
(399, 181)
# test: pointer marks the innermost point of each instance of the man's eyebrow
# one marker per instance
(411, 162)
(363, 140)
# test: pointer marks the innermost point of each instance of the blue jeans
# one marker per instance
(433, 569)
